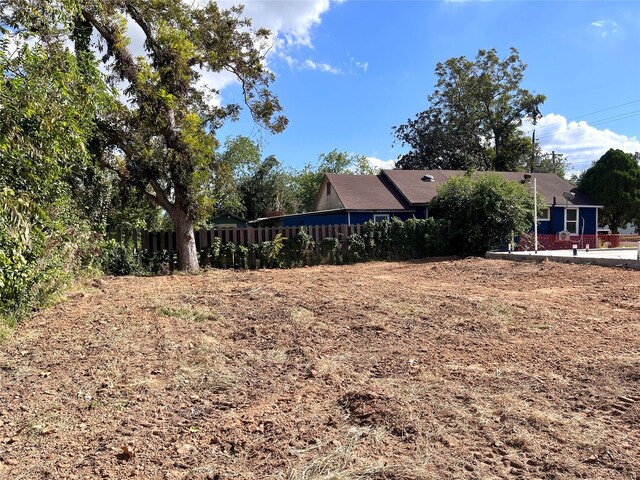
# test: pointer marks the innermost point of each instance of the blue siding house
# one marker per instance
(356, 199)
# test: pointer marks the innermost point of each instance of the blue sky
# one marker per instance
(347, 72)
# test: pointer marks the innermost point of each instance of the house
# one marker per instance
(354, 199)
(228, 220)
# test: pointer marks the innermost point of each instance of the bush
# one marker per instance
(356, 248)
(269, 253)
(330, 251)
(39, 251)
(298, 250)
(482, 213)
(116, 259)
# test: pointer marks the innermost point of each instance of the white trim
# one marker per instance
(577, 220)
(547, 217)
(348, 218)
(384, 216)
(561, 205)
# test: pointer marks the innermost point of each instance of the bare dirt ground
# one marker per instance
(443, 369)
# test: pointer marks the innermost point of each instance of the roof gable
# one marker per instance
(364, 192)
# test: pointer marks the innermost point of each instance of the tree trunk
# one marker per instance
(186, 243)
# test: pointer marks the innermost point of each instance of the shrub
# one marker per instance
(330, 251)
(117, 259)
(356, 248)
(299, 248)
(269, 253)
(482, 213)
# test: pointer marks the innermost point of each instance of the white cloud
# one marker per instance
(290, 22)
(363, 65)
(580, 142)
(381, 164)
(604, 28)
(323, 67)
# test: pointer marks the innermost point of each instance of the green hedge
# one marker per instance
(395, 240)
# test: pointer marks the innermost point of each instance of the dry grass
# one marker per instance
(405, 371)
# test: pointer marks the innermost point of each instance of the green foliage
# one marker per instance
(228, 253)
(299, 249)
(482, 213)
(330, 250)
(47, 105)
(158, 132)
(117, 259)
(397, 240)
(614, 181)
(267, 188)
(356, 249)
(550, 162)
(269, 253)
(238, 161)
(473, 117)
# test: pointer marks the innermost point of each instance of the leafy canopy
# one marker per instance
(614, 181)
(473, 117)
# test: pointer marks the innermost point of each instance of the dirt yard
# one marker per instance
(443, 369)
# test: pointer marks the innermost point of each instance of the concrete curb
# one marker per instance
(603, 262)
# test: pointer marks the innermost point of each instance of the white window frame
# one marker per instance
(577, 221)
(547, 217)
(380, 217)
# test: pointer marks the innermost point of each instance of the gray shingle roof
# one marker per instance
(366, 192)
(402, 189)
(409, 183)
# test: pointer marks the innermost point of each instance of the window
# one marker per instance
(381, 218)
(571, 220)
(328, 189)
(543, 213)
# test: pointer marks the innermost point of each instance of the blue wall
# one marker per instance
(587, 216)
(308, 219)
(334, 218)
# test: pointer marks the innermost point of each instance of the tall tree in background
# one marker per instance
(614, 181)
(474, 116)
(159, 135)
(239, 161)
(267, 188)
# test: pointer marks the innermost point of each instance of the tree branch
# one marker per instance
(125, 64)
(146, 28)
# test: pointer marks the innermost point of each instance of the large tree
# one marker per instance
(614, 181)
(159, 134)
(267, 188)
(473, 117)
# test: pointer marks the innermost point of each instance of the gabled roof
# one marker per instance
(365, 192)
(416, 192)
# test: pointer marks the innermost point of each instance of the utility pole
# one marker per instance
(553, 160)
(533, 152)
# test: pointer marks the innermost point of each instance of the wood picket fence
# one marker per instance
(165, 240)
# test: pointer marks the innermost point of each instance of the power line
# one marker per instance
(603, 121)
(586, 115)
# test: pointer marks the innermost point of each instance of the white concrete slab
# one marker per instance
(606, 257)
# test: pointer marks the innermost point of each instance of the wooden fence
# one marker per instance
(166, 239)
